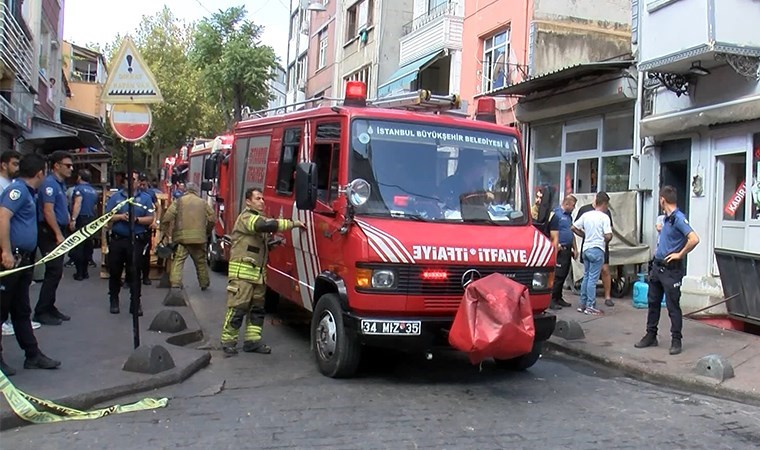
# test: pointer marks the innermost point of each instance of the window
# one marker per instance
(362, 75)
(618, 132)
(615, 173)
(547, 141)
(286, 169)
(495, 56)
(358, 18)
(435, 5)
(327, 159)
(577, 141)
(322, 61)
(425, 171)
(86, 70)
(569, 156)
(297, 73)
(755, 190)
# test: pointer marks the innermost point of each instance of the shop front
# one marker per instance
(579, 132)
(707, 145)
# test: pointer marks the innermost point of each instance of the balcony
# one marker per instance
(683, 36)
(16, 52)
(438, 29)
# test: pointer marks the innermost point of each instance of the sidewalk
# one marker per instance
(610, 340)
(94, 345)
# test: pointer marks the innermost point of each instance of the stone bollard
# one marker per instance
(150, 359)
(175, 297)
(569, 330)
(715, 366)
(168, 321)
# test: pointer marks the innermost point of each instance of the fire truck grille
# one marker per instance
(411, 281)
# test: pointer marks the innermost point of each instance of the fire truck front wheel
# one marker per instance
(523, 362)
(336, 349)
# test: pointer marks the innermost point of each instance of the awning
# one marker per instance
(49, 136)
(83, 121)
(560, 77)
(744, 108)
(401, 79)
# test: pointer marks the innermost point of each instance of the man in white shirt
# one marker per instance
(8, 168)
(596, 229)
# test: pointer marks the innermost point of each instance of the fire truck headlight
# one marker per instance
(540, 281)
(383, 279)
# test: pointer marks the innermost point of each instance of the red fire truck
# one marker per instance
(403, 209)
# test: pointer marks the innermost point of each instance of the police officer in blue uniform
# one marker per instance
(18, 239)
(120, 254)
(563, 240)
(677, 238)
(84, 199)
(53, 217)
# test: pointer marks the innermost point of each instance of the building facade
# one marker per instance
(699, 113)
(18, 79)
(323, 38)
(430, 50)
(510, 42)
(86, 73)
(276, 90)
(367, 41)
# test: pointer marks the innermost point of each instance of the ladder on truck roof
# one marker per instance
(420, 101)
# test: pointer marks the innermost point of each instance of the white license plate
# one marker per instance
(392, 327)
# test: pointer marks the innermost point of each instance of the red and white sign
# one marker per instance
(736, 200)
(131, 122)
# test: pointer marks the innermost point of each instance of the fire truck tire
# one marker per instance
(214, 263)
(523, 362)
(337, 351)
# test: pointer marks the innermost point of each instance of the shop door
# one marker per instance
(732, 192)
(674, 169)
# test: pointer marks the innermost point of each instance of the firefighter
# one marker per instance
(193, 220)
(247, 274)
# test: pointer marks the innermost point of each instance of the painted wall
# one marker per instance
(483, 18)
(321, 79)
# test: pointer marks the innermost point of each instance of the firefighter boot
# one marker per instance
(233, 320)
(252, 343)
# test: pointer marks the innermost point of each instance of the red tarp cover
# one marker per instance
(494, 320)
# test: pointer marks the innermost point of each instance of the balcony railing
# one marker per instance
(15, 47)
(420, 21)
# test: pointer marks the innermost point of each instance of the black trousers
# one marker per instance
(82, 253)
(121, 257)
(564, 261)
(14, 302)
(53, 270)
(145, 256)
(664, 278)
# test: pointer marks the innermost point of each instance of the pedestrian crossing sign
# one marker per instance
(130, 80)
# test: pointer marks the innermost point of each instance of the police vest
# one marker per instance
(191, 223)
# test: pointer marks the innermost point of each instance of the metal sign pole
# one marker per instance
(134, 304)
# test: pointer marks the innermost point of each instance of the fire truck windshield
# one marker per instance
(423, 171)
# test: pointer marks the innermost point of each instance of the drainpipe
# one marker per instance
(637, 115)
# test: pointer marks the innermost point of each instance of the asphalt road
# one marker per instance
(405, 402)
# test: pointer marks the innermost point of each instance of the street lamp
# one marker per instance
(313, 6)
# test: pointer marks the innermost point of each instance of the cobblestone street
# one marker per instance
(409, 403)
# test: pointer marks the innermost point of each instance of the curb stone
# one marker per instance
(9, 419)
(686, 383)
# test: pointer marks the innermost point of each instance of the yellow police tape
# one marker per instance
(77, 238)
(23, 405)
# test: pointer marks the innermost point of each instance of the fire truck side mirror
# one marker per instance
(206, 186)
(209, 171)
(306, 186)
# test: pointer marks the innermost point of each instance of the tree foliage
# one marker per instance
(235, 65)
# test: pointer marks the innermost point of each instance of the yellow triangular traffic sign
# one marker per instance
(130, 79)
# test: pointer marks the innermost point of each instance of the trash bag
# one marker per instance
(494, 320)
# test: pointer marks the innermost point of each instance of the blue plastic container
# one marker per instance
(641, 291)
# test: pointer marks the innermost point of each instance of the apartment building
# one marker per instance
(430, 50)
(699, 111)
(368, 41)
(18, 78)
